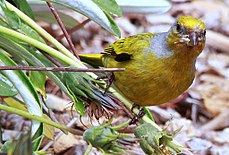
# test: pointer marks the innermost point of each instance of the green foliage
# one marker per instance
(83, 87)
(105, 5)
(5, 147)
(20, 36)
(23, 6)
(27, 92)
(38, 80)
(10, 18)
(105, 138)
(7, 88)
(156, 142)
(94, 12)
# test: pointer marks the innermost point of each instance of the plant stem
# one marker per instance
(136, 111)
(67, 36)
(42, 32)
(52, 59)
(120, 126)
(40, 45)
(89, 148)
(57, 69)
(51, 39)
(39, 118)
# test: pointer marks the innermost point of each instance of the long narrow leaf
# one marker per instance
(34, 58)
(10, 17)
(25, 89)
(6, 87)
(38, 80)
(24, 7)
(92, 11)
(109, 6)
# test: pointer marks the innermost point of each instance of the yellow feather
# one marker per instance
(158, 66)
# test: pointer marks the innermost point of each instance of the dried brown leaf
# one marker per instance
(67, 141)
(215, 99)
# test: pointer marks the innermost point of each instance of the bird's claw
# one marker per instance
(137, 116)
(110, 79)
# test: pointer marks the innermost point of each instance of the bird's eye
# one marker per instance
(178, 27)
(204, 33)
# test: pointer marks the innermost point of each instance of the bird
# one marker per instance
(158, 66)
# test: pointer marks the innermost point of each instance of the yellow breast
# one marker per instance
(148, 80)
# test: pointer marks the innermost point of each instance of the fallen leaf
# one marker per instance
(215, 99)
(64, 142)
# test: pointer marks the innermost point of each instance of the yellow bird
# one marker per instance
(158, 66)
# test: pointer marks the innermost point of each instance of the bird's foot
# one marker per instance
(137, 116)
(110, 79)
(135, 106)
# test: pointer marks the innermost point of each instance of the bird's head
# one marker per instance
(187, 32)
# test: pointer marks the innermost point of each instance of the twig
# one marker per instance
(57, 69)
(77, 27)
(53, 60)
(67, 36)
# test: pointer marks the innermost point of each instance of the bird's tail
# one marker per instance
(95, 60)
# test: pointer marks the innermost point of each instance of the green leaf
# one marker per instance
(78, 104)
(49, 130)
(31, 33)
(6, 87)
(15, 103)
(18, 78)
(90, 10)
(24, 7)
(6, 146)
(148, 113)
(11, 18)
(83, 88)
(73, 81)
(154, 141)
(104, 138)
(38, 80)
(42, 152)
(144, 6)
(113, 24)
(15, 22)
(109, 6)
(26, 90)
(36, 59)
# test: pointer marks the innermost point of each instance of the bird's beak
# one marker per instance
(193, 39)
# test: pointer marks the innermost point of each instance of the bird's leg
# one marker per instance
(135, 106)
(137, 116)
(110, 79)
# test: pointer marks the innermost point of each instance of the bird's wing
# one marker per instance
(125, 48)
